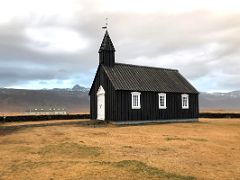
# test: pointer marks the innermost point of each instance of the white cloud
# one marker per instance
(170, 6)
(15, 9)
(56, 39)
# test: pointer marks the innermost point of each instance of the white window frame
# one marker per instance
(136, 103)
(164, 99)
(185, 106)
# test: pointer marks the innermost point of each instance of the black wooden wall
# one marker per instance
(150, 107)
(110, 95)
(118, 103)
(107, 58)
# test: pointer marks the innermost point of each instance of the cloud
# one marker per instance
(56, 39)
(49, 44)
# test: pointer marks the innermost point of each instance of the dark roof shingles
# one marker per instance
(142, 78)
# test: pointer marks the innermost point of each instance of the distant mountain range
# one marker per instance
(230, 100)
(73, 100)
(75, 88)
(76, 100)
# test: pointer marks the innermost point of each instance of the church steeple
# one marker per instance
(107, 51)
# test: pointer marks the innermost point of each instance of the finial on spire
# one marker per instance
(106, 24)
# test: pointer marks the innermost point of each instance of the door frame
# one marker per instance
(101, 92)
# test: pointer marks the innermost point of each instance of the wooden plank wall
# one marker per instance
(150, 108)
(110, 94)
(118, 104)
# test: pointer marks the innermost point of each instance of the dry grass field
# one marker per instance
(209, 149)
(218, 110)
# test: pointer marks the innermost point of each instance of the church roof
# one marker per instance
(143, 78)
(107, 44)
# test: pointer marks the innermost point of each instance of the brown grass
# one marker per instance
(219, 110)
(205, 150)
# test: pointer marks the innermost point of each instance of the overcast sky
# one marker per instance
(54, 43)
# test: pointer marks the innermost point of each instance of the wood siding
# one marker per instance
(110, 95)
(107, 58)
(150, 107)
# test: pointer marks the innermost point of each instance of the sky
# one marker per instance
(54, 43)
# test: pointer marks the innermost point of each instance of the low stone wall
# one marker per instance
(43, 117)
(219, 115)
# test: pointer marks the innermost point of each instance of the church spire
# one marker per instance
(107, 51)
(107, 44)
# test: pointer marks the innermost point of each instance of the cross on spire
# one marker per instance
(106, 24)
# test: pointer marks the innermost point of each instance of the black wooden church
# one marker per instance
(125, 92)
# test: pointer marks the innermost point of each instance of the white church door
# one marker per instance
(101, 104)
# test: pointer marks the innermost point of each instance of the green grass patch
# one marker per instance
(29, 165)
(146, 171)
(175, 138)
(197, 139)
(164, 149)
(128, 147)
(12, 141)
(25, 149)
(26, 166)
(234, 124)
(70, 149)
